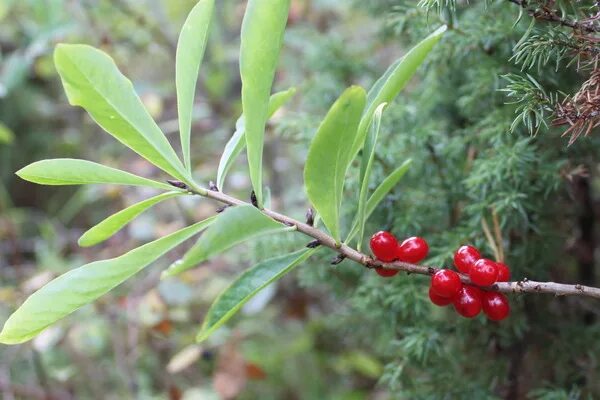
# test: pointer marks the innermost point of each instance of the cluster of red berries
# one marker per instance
(385, 247)
(446, 287)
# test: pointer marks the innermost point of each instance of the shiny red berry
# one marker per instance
(384, 246)
(446, 283)
(495, 306)
(465, 257)
(386, 272)
(438, 300)
(503, 272)
(412, 250)
(468, 301)
(484, 272)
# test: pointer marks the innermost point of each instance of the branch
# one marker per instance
(523, 286)
(550, 15)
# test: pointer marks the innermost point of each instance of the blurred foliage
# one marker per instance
(330, 332)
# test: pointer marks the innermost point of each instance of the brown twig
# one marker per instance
(550, 15)
(523, 286)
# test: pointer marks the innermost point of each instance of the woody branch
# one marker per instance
(345, 251)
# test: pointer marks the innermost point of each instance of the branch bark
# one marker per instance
(522, 286)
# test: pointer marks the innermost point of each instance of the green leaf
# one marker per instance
(277, 100)
(92, 80)
(80, 286)
(190, 51)
(69, 171)
(6, 135)
(233, 226)
(268, 198)
(236, 144)
(365, 171)
(330, 154)
(394, 80)
(245, 286)
(116, 222)
(261, 39)
(380, 192)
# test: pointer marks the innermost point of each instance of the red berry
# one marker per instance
(495, 305)
(476, 290)
(484, 272)
(503, 272)
(412, 250)
(446, 283)
(384, 245)
(438, 300)
(465, 257)
(386, 272)
(468, 301)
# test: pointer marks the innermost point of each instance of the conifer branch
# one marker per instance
(345, 251)
(546, 13)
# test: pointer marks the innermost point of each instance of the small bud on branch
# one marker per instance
(177, 184)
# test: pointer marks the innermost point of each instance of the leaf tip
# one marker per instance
(172, 270)
(20, 172)
(406, 164)
(60, 47)
(84, 241)
(25, 172)
(356, 90)
(440, 30)
(7, 338)
(60, 50)
(381, 107)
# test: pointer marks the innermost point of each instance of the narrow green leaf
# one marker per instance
(6, 135)
(69, 171)
(233, 226)
(245, 286)
(277, 100)
(116, 222)
(236, 144)
(394, 80)
(388, 184)
(379, 194)
(330, 154)
(190, 51)
(268, 197)
(92, 80)
(81, 286)
(261, 39)
(365, 171)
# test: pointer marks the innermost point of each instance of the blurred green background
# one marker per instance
(323, 332)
